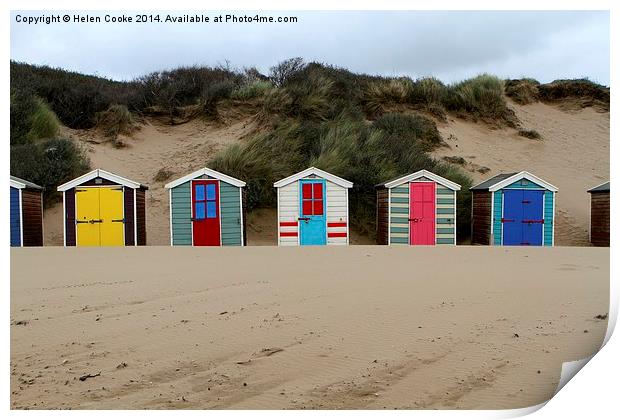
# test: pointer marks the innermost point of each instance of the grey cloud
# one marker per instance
(449, 45)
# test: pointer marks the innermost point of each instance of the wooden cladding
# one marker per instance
(382, 216)
(70, 237)
(481, 217)
(141, 216)
(599, 218)
(32, 214)
(129, 219)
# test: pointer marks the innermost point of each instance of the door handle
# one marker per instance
(507, 220)
(303, 218)
(118, 220)
(415, 220)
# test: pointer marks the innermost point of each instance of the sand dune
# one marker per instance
(266, 327)
(573, 155)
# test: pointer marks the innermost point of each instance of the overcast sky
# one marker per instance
(447, 45)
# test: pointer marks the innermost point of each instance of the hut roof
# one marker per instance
(600, 188)
(503, 180)
(209, 172)
(419, 174)
(100, 173)
(22, 183)
(313, 171)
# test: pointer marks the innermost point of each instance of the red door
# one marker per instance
(422, 213)
(206, 213)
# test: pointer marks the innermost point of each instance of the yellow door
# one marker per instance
(87, 217)
(111, 213)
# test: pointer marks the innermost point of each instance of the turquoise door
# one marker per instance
(312, 226)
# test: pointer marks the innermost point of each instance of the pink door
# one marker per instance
(422, 213)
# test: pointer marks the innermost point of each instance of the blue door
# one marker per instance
(533, 217)
(522, 221)
(312, 226)
(16, 239)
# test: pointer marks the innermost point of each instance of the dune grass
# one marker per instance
(43, 122)
(49, 163)
(366, 154)
(115, 120)
(362, 127)
(251, 90)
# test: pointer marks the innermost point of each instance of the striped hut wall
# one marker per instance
(445, 216)
(548, 218)
(288, 213)
(399, 215)
(497, 217)
(181, 214)
(230, 214)
(337, 214)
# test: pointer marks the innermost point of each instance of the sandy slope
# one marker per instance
(194, 328)
(180, 149)
(573, 155)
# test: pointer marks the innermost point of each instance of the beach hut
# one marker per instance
(104, 209)
(313, 209)
(26, 208)
(513, 209)
(417, 209)
(206, 209)
(599, 215)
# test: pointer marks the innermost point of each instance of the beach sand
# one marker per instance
(271, 328)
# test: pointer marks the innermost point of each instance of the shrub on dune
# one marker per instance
(430, 94)
(482, 97)
(363, 153)
(522, 91)
(115, 120)
(251, 90)
(583, 89)
(44, 123)
(49, 163)
(383, 92)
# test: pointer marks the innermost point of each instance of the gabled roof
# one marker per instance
(22, 183)
(503, 180)
(421, 174)
(600, 188)
(100, 173)
(484, 185)
(313, 171)
(208, 172)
